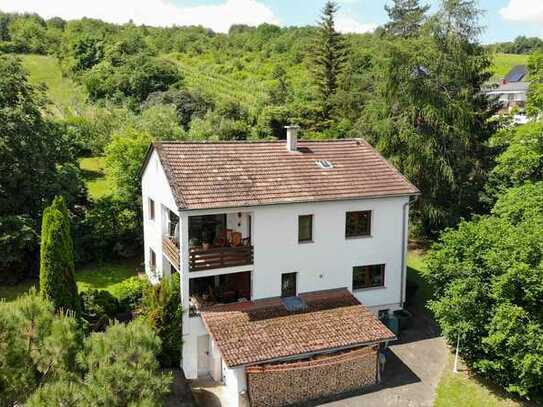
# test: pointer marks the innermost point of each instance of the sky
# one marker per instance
(503, 19)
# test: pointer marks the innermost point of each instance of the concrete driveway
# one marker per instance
(412, 371)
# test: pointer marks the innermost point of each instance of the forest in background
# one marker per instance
(413, 88)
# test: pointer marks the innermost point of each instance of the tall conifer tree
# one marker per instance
(57, 282)
(328, 59)
(406, 17)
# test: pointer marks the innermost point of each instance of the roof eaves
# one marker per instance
(169, 175)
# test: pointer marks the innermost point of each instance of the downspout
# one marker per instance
(404, 248)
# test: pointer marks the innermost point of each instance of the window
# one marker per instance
(368, 276)
(288, 285)
(305, 228)
(358, 224)
(151, 209)
(152, 258)
(324, 164)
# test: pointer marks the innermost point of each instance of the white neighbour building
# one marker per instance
(278, 243)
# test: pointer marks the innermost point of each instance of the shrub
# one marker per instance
(130, 293)
(99, 308)
(109, 227)
(45, 360)
(57, 282)
(161, 308)
(36, 346)
(122, 367)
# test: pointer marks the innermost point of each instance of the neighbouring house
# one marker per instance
(512, 92)
(288, 251)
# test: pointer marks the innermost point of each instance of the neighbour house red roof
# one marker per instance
(264, 330)
(233, 174)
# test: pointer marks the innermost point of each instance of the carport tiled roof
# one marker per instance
(263, 330)
(233, 174)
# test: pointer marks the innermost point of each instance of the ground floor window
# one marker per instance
(368, 276)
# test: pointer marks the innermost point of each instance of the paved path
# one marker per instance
(412, 371)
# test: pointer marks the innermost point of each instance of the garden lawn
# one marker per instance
(65, 96)
(105, 276)
(466, 390)
(95, 178)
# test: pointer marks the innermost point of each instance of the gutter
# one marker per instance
(404, 248)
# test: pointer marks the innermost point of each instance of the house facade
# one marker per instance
(269, 235)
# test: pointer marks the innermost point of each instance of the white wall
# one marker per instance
(155, 186)
(328, 261)
(235, 380)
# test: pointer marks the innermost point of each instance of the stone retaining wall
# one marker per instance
(327, 375)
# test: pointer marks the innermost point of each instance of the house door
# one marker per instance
(288, 285)
(203, 355)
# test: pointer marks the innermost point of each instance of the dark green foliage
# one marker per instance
(161, 308)
(328, 59)
(131, 76)
(488, 277)
(18, 242)
(36, 163)
(36, 346)
(130, 293)
(122, 368)
(406, 18)
(99, 307)
(188, 105)
(57, 282)
(431, 119)
(534, 105)
(45, 360)
(108, 228)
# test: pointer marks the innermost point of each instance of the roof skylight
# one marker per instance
(324, 164)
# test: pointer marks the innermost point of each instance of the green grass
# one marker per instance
(95, 178)
(415, 265)
(467, 390)
(105, 276)
(65, 96)
(504, 62)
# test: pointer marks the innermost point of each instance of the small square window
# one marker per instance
(358, 224)
(368, 276)
(305, 228)
(151, 209)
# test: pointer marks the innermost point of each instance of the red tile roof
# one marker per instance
(263, 330)
(233, 174)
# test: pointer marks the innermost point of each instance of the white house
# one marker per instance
(287, 251)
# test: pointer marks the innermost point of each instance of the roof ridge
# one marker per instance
(278, 141)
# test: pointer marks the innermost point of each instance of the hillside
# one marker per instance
(504, 62)
(65, 96)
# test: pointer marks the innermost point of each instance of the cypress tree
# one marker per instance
(329, 59)
(57, 282)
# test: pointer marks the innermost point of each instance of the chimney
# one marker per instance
(292, 138)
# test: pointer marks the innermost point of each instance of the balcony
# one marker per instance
(219, 257)
(171, 250)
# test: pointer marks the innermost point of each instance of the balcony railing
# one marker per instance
(200, 259)
(171, 250)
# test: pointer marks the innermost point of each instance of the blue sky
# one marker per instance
(503, 19)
